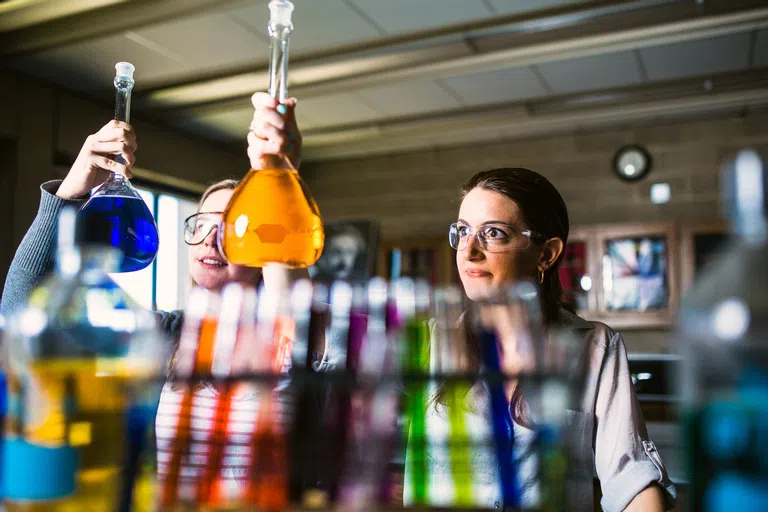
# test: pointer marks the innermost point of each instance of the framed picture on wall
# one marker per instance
(699, 242)
(349, 253)
(579, 270)
(638, 274)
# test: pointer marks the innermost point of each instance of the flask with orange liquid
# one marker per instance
(272, 217)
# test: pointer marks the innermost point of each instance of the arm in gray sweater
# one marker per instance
(36, 254)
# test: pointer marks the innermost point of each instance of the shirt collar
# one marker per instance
(571, 321)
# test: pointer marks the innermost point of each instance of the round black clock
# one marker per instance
(631, 162)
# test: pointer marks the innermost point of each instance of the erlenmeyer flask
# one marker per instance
(83, 361)
(272, 217)
(722, 327)
(116, 215)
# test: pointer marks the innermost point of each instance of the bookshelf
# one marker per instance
(430, 258)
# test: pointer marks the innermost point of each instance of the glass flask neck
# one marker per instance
(123, 88)
(280, 35)
(278, 161)
(751, 230)
(746, 197)
(116, 185)
(69, 261)
(68, 256)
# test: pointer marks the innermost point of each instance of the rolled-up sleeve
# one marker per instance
(626, 461)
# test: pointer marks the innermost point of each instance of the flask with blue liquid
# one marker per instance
(116, 215)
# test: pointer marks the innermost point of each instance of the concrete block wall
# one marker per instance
(416, 193)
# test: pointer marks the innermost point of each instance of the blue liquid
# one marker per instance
(124, 223)
(728, 453)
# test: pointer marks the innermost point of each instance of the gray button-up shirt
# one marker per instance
(605, 434)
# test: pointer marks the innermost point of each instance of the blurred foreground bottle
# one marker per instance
(116, 215)
(272, 217)
(82, 359)
(723, 328)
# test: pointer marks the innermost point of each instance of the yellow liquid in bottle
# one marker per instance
(96, 429)
(272, 218)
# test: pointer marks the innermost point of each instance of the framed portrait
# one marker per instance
(349, 252)
(638, 274)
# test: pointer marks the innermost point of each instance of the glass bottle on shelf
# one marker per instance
(82, 361)
(115, 214)
(272, 217)
(722, 328)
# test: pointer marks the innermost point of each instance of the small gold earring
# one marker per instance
(541, 276)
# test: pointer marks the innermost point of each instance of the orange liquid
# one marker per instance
(268, 483)
(272, 218)
(209, 488)
(169, 494)
(204, 357)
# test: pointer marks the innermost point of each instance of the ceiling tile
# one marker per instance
(516, 6)
(409, 98)
(90, 66)
(591, 73)
(500, 86)
(333, 110)
(758, 107)
(694, 58)
(207, 42)
(233, 122)
(229, 127)
(760, 58)
(314, 113)
(316, 24)
(396, 16)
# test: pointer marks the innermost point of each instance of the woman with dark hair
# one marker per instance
(512, 225)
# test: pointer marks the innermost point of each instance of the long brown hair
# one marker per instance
(543, 211)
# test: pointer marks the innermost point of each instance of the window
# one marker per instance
(165, 284)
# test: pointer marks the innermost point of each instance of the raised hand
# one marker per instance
(98, 157)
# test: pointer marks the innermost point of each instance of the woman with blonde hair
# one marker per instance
(208, 269)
